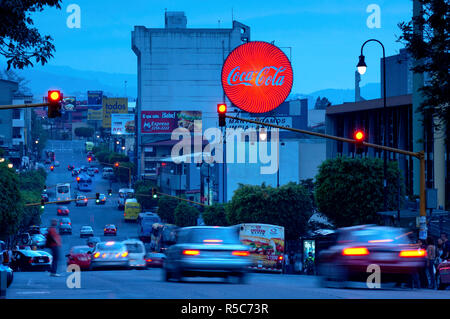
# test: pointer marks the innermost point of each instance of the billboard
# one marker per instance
(167, 121)
(113, 105)
(69, 103)
(95, 105)
(122, 124)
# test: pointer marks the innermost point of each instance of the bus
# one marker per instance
(132, 209)
(145, 224)
(124, 193)
(266, 245)
(89, 146)
(84, 183)
(63, 192)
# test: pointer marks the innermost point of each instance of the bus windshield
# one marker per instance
(62, 189)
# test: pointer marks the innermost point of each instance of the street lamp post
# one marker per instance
(362, 67)
(263, 137)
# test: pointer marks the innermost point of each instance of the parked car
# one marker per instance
(358, 247)
(27, 259)
(207, 251)
(65, 229)
(154, 259)
(81, 200)
(443, 275)
(92, 241)
(109, 254)
(110, 229)
(136, 253)
(79, 255)
(62, 211)
(86, 231)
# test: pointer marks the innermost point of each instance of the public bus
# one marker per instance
(266, 245)
(89, 146)
(84, 183)
(63, 192)
(124, 193)
(132, 209)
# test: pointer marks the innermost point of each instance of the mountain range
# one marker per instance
(75, 82)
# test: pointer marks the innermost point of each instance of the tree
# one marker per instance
(289, 206)
(143, 192)
(321, 104)
(124, 170)
(10, 202)
(166, 209)
(350, 191)
(215, 215)
(10, 75)
(19, 41)
(431, 48)
(185, 215)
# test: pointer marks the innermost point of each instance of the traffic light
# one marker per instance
(42, 203)
(116, 164)
(52, 168)
(89, 159)
(222, 110)
(97, 197)
(154, 193)
(110, 192)
(359, 138)
(45, 188)
(54, 99)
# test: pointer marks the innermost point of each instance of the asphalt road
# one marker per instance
(148, 284)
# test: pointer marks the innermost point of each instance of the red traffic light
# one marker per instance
(116, 164)
(221, 108)
(359, 136)
(54, 96)
(54, 99)
(52, 167)
(89, 159)
(78, 178)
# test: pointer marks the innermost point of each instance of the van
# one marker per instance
(132, 209)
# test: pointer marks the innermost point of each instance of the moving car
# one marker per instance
(56, 164)
(136, 253)
(65, 229)
(92, 241)
(62, 211)
(109, 254)
(75, 172)
(360, 246)
(81, 200)
(207, 251)
(45, 197)
(443, 275)
(86, 231)
(110, 229)
(9, 274)
(79, 255)
(101, 200)
(154, 259)
(90, 171)
(38, 240)
(27, 259)
(124, 193)
(65, 220)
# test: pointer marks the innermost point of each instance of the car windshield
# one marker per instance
(210, 236)
(135, 248)
(376, 235)
(80, 250)
(86, 228)
(110, 247)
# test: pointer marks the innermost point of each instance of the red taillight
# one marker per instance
(96, 255)
(148, 260)
(355, 251)
(125, 254)
(413, 253)
(59, 210)
(280, 257)
(240, 253)
(191, 252)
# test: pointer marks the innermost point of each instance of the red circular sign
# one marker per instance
(257, 77)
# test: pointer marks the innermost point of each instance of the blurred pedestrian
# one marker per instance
(439, 251)
(445, 246)
(431, 256)
(54, 243)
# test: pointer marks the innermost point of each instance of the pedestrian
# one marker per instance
(431, 256)
(445, 246)
(54, 243)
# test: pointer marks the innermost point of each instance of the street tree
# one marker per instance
(143, 191)
(166, 209)
(349, 191)
(11, 206)
(215, 215)
(20, 42)
(185, 215)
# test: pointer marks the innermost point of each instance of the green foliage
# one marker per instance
(215, 215)
(102, 156)
(84, 131)
(166, 209)
(143, 192)
(350, 191)
(117, 157)
(32, 180)
(123, 173)
(11, 206)
(185, 215)
(289, 206)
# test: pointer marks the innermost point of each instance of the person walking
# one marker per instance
(445, 246)
(54, 243)
(431, 256)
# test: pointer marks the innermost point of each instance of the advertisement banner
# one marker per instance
(122, 124)
(95, 115)
(283, 121)
(69, 103)
(95, 99)
(167, 121)
(113, 106)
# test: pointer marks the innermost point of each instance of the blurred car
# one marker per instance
(154, 259)
(83, 169)
(43, 231)
(96, 171)
(70, 167)
(90, 171)
(110, 229)
(81, 200)
(75, 172)
(109, 254)
(101, 200)
(136, 253)
(45, 197)
(34, 229)
(360, 246)
(27, 259)
(79, 255)
(9, 274)
(443, 275)
(92, 241)
(56, 164)
(62, 211)
(207, 251)
(38, 240)
(65, 220)
(86, 231)
(65, 229)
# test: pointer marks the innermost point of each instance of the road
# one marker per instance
(148, 284)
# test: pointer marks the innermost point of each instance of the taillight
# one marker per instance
(355, 251)
(240, 253)
(280, 257)
(191, 252)
(96, 255)
(148, 260)
(413, 253)
(125, 254)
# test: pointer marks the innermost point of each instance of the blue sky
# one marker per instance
(325, 36)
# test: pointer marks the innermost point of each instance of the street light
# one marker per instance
(10, 165)
(362, 67)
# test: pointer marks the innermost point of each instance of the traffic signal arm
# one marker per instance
(22, 106)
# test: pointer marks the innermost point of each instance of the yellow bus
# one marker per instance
(132, 209)
(89, 146)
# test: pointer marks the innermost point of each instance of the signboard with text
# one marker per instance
(113, 105)
(122, 124)
(167, 121)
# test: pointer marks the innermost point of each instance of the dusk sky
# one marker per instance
(325, 36)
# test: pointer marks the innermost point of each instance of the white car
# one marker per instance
(86, 231)
(136, 253)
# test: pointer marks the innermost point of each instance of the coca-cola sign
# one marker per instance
(257, 77)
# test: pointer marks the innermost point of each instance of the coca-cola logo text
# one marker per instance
(269, 75)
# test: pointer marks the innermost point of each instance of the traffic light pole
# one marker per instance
(21, 106)
(419, 155)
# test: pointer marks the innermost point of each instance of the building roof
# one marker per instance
(393, 101)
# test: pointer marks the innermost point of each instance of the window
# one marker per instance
(16, 114)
